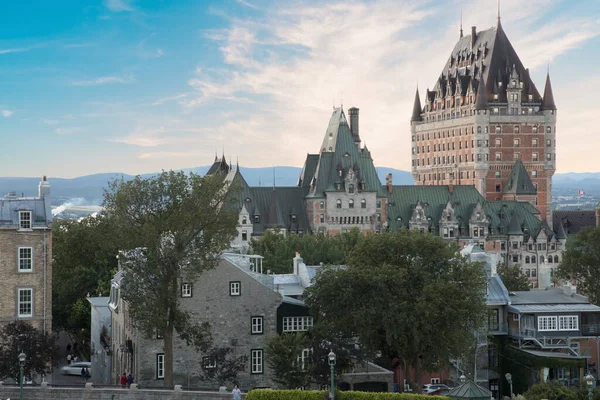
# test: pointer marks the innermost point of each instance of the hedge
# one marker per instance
(268, 394)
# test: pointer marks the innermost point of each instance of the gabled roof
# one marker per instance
(277, 206)
(219, 166)
(548, 100)
(519, 182)
(515, 225)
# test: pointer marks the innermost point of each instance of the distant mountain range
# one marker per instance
(90, 189)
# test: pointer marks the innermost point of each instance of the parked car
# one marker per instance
(75, 368)
(435, 389)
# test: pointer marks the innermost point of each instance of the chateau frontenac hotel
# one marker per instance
(483, 154)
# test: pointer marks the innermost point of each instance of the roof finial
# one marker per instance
(498, 12)
(461, 29)
(237, 162)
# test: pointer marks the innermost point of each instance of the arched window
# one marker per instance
(363, 203)
(533, 259)
(535, 129)
(350, 188)
(322, 205)
(478, 129)
(527, 260)
(556, 259)
(548, 129)
(338, 203)
(351, 203)
(541, 259)
(244, 222)
(549, 259)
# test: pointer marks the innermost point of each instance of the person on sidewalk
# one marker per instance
(124, 380)
(129, 380)
(237, 393)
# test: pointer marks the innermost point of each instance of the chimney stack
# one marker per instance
(473, 36)
(450, 187)
(353, 113)
(388, 182)
(297, 261)
(44, 188)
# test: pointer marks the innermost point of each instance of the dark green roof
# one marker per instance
(276, 206)
(519, 182)
(515, 225)
(470, 391)
(500, 213)
(308, 172)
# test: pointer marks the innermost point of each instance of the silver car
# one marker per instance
(75, 368)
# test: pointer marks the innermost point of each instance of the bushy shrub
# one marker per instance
(550, 391)
(323, 395)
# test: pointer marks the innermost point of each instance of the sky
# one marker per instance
(142, 86)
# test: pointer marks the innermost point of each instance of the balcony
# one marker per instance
(500, 328)
(590, 329)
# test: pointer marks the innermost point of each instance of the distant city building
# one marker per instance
(483, 115)
(572, 221)
(26, 262)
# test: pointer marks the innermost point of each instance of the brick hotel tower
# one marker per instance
(485, 123)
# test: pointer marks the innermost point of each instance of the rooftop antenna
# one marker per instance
(461, 29)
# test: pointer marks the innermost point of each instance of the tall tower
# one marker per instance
(483, 114)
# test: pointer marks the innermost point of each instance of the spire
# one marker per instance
(461, 29)
(416, 114)
(481, 101)
(548, 100)
(499, 24)
(216, 157)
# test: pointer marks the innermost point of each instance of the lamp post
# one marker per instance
(463, 379)
(508, 377)
(590, 380)
(22, 358)
(331, 357)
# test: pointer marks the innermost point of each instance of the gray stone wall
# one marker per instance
(230, 319)
(37, 393)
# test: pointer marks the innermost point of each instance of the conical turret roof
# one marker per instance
(519, 182)
(416, 114)
(548, 100)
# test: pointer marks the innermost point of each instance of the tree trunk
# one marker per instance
(415, 384)
(168, 348)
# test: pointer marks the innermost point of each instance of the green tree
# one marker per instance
(513, 278)
(84, 261)
(178, 225)
(314, 249)
(581, 262)
(38, 346)
(283, 354)
(407, 294)
(550, 391)
(222, 366)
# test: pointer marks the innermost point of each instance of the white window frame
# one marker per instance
(235, 288)
(516, 317)
(186, 290)
(547, 323)
(257, 323)
(209, 362)
(19, 259)
(256, 361)
(25, 221)
(435, 381)
(303, 358)
(160, 366)
(30, 302)
(568, 323)
(297, 324)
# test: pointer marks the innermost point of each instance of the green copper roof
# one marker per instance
(515, 225)
(470, 391)
(519, 182)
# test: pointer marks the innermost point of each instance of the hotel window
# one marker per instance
(25, 303)
(351, 203)
(548, 143)
(25, 219)
(548, 157)
(25, 259)
(534, 174)
(297, 324)
(517, 156)
(517, 142)
(478, 129)
(498, 142)
(487, 143)
(350, 188)
(535, 129)
(209, 362)
(534, 157)
(244, 236)
(186, 290)
(378, 203)
(160, 366)
(517, 129)
(322, 218)
(257, 325)
(363, 203)
(338, 203)
(534, 142)
(497, 174)
(478, 157)
(498, 156)
(235, 288)
(322, 205)
(548, 129)
(498, 129)
(256, 219)
(527, 261)
(256, 361)
(546, 324)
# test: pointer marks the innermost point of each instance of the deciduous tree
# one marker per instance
(38, 346)
(407, 294)
(283, 353)
(581, 262)
(513, 278)
(178, 224)
(221, 365)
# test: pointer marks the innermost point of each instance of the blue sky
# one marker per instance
(141, 86)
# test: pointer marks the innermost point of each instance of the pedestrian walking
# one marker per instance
(83, 375)
(69, 358)
(124, 380)
(75, 358)
(129, 380)
(237, 393)
(87, 374)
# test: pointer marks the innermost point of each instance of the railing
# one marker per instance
(499, 328)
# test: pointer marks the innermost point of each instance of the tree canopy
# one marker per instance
(38, 346)
(176, 226)
(408, 295)
(513, 278)
(581, 262)
(279, 250)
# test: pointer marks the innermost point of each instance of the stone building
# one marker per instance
(26, 262)
(483, 114)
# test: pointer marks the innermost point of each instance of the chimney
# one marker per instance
(297, 261)
(450, 187)
(388, 182)
(44, 188)
(473, 36)
(353, 112)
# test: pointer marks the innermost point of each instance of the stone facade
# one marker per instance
(26, 258)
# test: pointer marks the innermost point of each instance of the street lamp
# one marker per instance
(508, 377)
(590, 380)
(463, 379)
(331, 357)
(22, 358)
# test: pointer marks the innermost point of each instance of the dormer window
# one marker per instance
(257, 219)
(346, 155)
(24, 219)
(351, 188)
(294, 218)
(244, 221)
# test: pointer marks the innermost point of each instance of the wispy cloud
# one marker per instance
(7, 113)
(118, 5)
(169, 98)
(103, 80)
(246, 3)
(16, 50)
